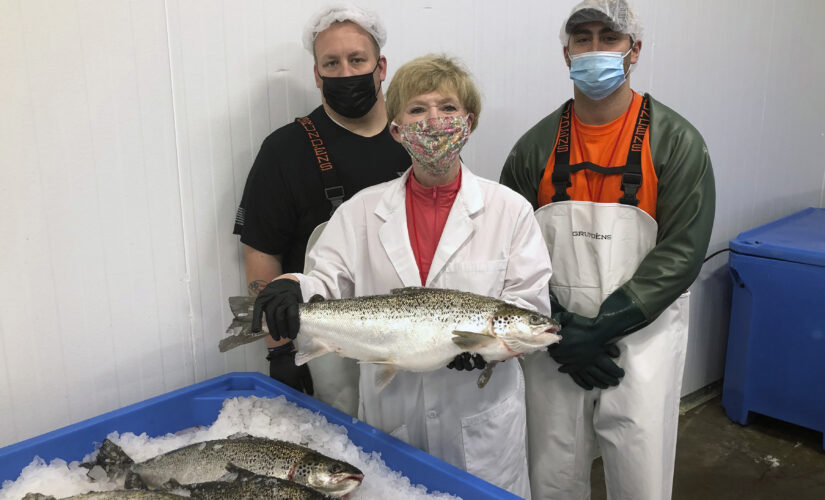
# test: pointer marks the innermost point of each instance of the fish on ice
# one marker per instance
(416, 329)
(207, 461)
(241, 483)
(111, 495)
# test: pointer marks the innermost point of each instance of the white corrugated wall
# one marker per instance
(127, 129)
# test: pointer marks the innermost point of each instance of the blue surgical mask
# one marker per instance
(598, 74)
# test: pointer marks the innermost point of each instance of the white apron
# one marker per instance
(334, 378)
(595, 248)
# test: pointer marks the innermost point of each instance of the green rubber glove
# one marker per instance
(586, 348)
(602, 373)
(555, 308)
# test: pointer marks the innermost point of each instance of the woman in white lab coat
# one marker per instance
(438, 226)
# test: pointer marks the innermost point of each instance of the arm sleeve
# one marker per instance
(268, 207)
(520, 175)
(524, 166)
(527, 277)
(685, 211)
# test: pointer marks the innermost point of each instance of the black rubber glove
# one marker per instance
(468, 361)
(584, 350)
(282, 368)
(279, 301)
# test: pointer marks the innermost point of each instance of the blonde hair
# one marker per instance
(430, 73)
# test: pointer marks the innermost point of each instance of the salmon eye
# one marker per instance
(535, 319)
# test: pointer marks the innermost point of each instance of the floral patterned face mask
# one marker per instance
(434, 143)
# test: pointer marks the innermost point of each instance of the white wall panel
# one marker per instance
(218, 50)
(512, 50)
(742, 74)
(94, 297)
(22, 236)
(129, 127)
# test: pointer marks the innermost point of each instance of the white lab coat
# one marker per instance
(491, 245)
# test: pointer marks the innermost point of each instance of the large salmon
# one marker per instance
(416, 329)
(208, 461)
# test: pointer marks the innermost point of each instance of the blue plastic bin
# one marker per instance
(199, 404)
(776, 345)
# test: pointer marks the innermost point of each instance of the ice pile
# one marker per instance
(274, 418)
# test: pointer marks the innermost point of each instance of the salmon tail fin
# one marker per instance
(240, 331)
(242, 307)
(134, 482)
(111, 454)
(111, 461)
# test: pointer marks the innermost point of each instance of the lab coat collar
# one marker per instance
(394, 235)
(469, 195)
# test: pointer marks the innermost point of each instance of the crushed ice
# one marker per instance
(274, 418)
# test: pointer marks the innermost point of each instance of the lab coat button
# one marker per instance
(432, 414)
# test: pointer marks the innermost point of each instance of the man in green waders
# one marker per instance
(624, 193)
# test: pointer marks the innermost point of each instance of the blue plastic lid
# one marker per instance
(799, 237)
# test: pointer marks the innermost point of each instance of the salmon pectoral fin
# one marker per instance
(384, 374)
(486, 374)
(471, 341)
(171, 484)
(317, 350)
(238, 471)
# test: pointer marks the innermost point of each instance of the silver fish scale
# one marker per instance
(201, 462)
(417, 329)
(112, 495)
(412, 328)
(444, 306)
(251, 488)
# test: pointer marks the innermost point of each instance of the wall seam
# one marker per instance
(178, 164)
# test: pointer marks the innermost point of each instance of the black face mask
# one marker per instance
(350, 96)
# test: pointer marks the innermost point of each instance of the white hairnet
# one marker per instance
(617, 14)
(330, 14)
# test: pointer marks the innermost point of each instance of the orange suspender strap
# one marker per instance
(333, 190)
(631, 171)
(632, 175)
(561, 169)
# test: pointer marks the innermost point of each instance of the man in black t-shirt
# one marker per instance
(306, 168)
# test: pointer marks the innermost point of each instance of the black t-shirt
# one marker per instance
(283, 200)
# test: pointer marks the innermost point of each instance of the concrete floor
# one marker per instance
(719, 459)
